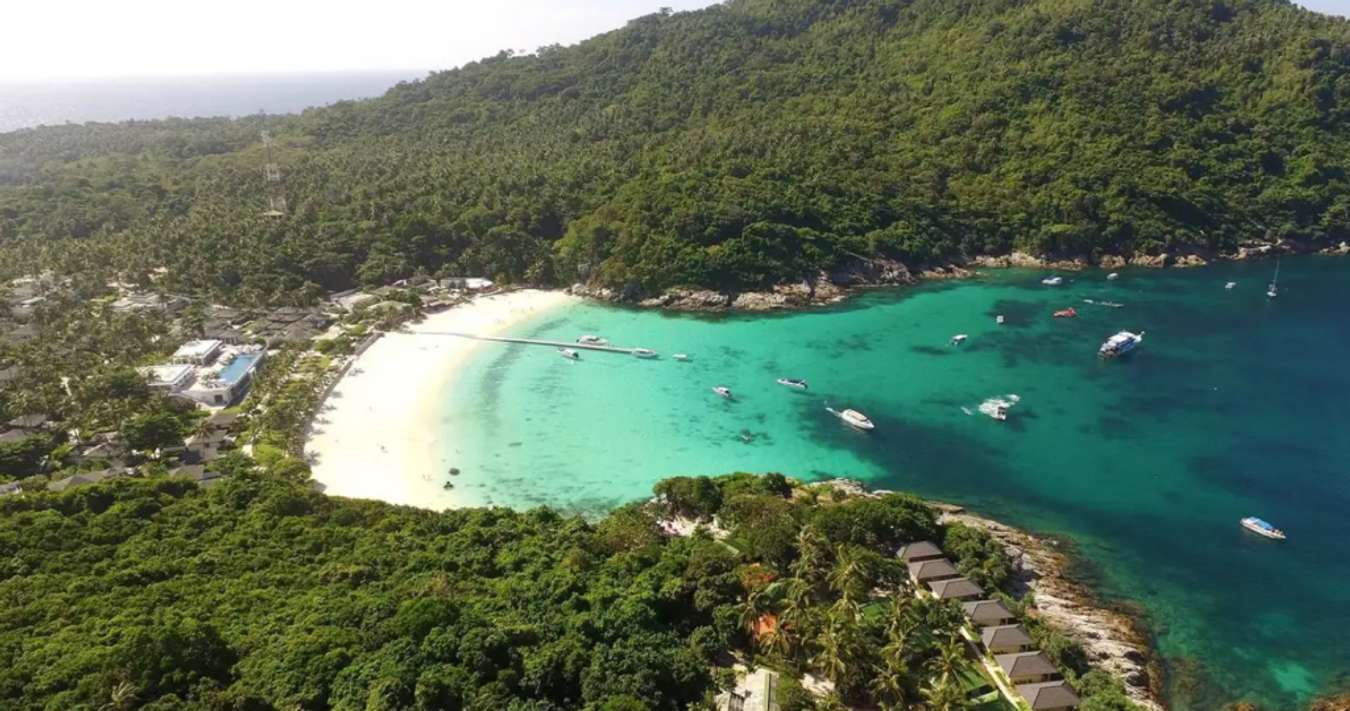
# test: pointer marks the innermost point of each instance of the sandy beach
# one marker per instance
(376, 434)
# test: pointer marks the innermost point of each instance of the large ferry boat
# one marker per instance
(1262, 528)
(1120, 344)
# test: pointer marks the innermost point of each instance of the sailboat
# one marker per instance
(1274, 289)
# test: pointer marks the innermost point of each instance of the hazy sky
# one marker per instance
(50, 39)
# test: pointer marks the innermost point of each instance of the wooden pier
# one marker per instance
(529, 342)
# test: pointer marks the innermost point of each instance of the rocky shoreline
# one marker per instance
(835, 286)
(1113, 640)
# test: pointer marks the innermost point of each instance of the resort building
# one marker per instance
(987, 613)
(923, 550)
(1005, 639)
(1049, 696)
(12, 488)
(925, 571)
(955, 589)
(197, 352)
(1026, 667)
(85, 478)
(170, 378)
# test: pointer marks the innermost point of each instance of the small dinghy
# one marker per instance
(959, 338)
(1052, 281)
(589, 340)
(794, 383)
(1112, 276)
(724, 391)
(569, 354)
(1067, 313)
(999, 319)
(1230, 285)
(680, 357)
(644, 353)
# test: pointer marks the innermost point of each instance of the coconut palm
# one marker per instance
(951, 656)
(945, 695)
(850, 575)
(811, 555)
(122, 697)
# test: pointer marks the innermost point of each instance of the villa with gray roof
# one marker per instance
(955, 589)
(987, 613)
(927, 570)
(1005, 639)
(1026, 667)
(1049, 696)
(923, 550)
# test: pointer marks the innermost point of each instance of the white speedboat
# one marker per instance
(1274, 289)
(724, 391)
(1230, 285)
(998, 407)
(999, 319)
(680, 357)
(1112, 276)
(959, 338)
(1052, 281)
(644, 353)
(1262, 528)
(589, 340)
(793, 383)
(1120, 344)
(569, 354)
(853, 418)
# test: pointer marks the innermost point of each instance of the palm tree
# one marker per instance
(951, 656)
(122, 697)
(890, 687)
(850, 575)
(757, 604)
(945, 695)
(811, 555)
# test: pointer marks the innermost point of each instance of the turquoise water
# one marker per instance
(237, 367)
(1233, 406)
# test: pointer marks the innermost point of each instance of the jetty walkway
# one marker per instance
(529, 341)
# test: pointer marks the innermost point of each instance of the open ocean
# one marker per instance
(1234, 405)
(31, 104)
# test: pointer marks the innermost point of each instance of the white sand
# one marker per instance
(376, 435)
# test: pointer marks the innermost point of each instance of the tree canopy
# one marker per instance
(747, 144)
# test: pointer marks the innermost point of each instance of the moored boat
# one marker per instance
(724, 391)
(1053, 281)
(590, 340)
(569, 354)
(1112, 276)
(1262, 527)
(1067, 313)
(959, 338)
(999, 319)
(853, 418)
(644, 353)
(1120, 344)
(680, 357)
(1230, 285)
(795, 383)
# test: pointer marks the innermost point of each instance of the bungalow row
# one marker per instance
(1030, 671)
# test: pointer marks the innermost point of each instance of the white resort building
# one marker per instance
(208, 372)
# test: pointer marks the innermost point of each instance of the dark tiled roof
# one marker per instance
(1024, 664)
(1048, 695)
(919, 551)
(195, 472)
(932, 569)
(955, 589)
(1004, 636)
(28, 421)
(986, 612)
(12, 436)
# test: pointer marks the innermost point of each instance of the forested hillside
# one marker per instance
(748, 144)
(262, 595)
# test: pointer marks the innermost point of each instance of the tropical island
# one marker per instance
(182, 301)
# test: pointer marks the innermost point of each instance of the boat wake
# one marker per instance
(997, 407)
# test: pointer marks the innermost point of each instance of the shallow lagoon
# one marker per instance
(1234, 405)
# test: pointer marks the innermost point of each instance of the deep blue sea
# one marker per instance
(32, 104)
(1234, 405)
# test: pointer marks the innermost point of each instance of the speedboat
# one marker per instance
(1120, 344)
(1112, 276)
(998, 407)
(959, 338)
(1262, 528)
(644, 353)
(999, 319)
(853, 418)
(680, 357)
(1066, 313)
(569, 353)
(723, 391)
(1052, 281)
(793, 383)
(1230, 285)
(589, 340)
(1000, 413)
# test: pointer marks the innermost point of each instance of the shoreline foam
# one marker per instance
(377, 435)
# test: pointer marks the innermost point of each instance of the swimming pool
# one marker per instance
(236, 370)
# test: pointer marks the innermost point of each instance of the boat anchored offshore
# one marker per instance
(959, 338)
(680, 357)
(1070, 312)
(999, 319)
(853, 418)
(1120, 344)
(793, 383)
(644, 353)
(724, 392)
(589, 340)
(1052, 281)
(1230, 285)
(1262, 528)
(569, 354)
(1112, 276)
